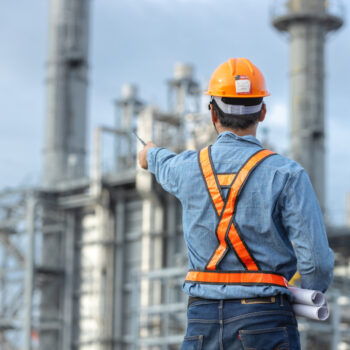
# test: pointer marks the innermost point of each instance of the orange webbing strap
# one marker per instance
(242, 278)
(212, 185)
(236, 189)
(226, 221)
(225, 180)
(216, 197)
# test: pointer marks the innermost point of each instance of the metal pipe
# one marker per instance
(67, 334)
(29, 277)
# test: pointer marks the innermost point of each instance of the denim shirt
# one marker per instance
(277, 212)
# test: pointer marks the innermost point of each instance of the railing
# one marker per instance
(165, 321)
(281, 8)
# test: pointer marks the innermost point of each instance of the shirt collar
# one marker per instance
(228, 136)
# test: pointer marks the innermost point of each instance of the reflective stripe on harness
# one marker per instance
(227, 230)
(242, 278)
(225, 180)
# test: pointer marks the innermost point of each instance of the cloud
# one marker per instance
(278, 115)
(274, 130)
(22, 92)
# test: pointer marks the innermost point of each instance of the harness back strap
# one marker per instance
(227, 230)
(225, 209)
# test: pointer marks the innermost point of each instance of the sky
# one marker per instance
(139, 41)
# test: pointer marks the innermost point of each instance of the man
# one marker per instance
(243, 206)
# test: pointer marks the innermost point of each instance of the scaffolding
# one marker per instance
(12, 254)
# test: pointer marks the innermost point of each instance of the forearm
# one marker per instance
(321, 277)
(144, 153)
(164, 164)
(303, 220)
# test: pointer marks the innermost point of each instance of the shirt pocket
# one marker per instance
(269, 338)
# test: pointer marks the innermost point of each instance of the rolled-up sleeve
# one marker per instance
(164, 164)
(303, 221)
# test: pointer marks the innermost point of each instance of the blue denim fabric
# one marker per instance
(227, 325)
(277, 206)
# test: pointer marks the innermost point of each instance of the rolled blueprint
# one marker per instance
(319, 313)
(307, 296)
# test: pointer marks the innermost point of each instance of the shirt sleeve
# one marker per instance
(164, 164)
(302, 218)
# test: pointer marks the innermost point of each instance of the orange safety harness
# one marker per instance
(227, 230)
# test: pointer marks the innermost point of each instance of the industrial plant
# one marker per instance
(94, 258)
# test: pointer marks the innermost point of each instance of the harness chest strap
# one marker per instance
(227, 230)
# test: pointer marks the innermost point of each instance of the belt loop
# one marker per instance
(281, 299)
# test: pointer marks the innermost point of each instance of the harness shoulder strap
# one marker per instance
(212, 183)
(227, 230)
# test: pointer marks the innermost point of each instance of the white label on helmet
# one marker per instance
(243, 84)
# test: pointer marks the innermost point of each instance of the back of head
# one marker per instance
(237, 88)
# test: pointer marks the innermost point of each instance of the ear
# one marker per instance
(214, 117)
(262, 113)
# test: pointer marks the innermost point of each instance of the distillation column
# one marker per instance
(307, 22)
(67, 81)
(64, 159)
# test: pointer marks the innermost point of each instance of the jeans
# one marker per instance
(241, 324)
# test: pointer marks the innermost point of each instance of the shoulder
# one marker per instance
(283, 165)
(188, 156)
(285, 174)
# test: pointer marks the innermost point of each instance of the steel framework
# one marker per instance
(97, 262)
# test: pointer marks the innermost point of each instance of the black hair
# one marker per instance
(235, 121)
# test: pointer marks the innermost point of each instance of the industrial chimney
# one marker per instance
(64, 157)
(67, 70)
(308, 22)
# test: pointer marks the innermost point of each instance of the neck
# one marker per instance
(240, 132)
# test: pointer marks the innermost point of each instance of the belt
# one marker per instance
(259, 300)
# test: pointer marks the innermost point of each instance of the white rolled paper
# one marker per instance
(319, 313)
(308, 296)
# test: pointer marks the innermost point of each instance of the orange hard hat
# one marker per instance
(237, 77)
